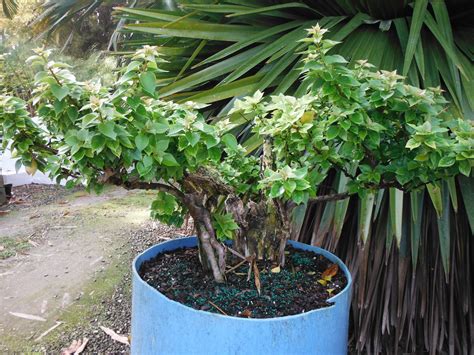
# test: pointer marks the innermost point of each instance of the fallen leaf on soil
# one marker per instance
(330, 290)
(330, 272)
(48, 331)
(44, 306)
(276, 269)
(33, 243)
(82, 347)
(76, 347)
(120, 338)
(322, 282)
(27, 316)
(3, 213)
(16, 202)
(247, 313)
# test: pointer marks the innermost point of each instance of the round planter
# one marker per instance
(163, 326)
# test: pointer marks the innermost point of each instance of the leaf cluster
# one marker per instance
(369, 124)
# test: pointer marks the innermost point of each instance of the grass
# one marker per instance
(10, 246)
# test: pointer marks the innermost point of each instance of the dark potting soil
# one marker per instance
(305, 283)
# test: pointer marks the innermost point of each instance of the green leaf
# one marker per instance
(416, 202)
(417, 20)
(465, 168)
(199, 30)
(107, 129)
(435, 195)
(230, 141)
(60, 92)
(224, 225)
(98, 142)
(451, 183)
(141, 141)
(444, 230)
(148, 82)
(332, 132)
(396, 213)
(365, 216)
(446, 161)
(169, 160)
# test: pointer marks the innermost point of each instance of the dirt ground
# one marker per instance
(65, 262)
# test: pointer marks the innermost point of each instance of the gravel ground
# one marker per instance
(33, 195)
(114, 312)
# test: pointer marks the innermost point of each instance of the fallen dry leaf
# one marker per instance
(82, 347)
(117, 337)
(3, 213)
(27, 316)
(322, 282)
(33, 243)
(330, 272)
(276, 269)
(76, 347)
(247, 313)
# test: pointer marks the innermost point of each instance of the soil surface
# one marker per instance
(306, 283)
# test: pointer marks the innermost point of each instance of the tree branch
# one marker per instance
(139, 185)
(332, 197)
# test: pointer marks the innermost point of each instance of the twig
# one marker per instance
(217, 307)
(48, 331)
(236, 266)
(236, 253)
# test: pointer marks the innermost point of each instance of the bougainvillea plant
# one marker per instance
(365, 123)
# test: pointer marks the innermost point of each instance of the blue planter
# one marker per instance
(162, 326)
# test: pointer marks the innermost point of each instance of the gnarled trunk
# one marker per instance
(212, 253)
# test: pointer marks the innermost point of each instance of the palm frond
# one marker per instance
(10, 8)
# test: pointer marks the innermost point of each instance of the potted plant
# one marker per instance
(364, 123)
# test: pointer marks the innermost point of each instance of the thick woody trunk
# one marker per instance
(212, 253)
(264, 229)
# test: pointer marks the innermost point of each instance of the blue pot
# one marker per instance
(162, 326)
